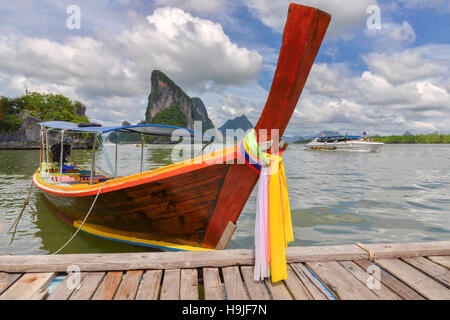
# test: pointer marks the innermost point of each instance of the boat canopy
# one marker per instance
(340, 137)
(149, 129)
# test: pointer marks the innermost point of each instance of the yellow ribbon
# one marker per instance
(280, 223)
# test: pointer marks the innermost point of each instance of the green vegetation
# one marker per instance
(123, 136)
(420, 139)
(304, 141)
(172, 116)
(45, 106)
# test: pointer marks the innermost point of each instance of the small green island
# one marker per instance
(430, 138)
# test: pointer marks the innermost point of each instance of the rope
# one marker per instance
(19, 216)
(366, 248)
(82, 223)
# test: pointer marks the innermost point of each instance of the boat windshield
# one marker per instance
(337, 138)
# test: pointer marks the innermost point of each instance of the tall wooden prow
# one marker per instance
(303, 33)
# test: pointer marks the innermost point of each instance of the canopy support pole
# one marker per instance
(115, 160)
(61, 157)
(142, 152)
(93, 159)
(41, 150)
(47, 161)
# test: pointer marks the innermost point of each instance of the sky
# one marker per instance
(383, 68)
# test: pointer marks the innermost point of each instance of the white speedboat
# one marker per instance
(344, 143)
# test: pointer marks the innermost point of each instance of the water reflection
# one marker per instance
(397, 195)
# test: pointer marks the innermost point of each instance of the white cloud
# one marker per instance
(193, 51)
(344, 21)
(400, 32)
(410, 64)
(195, 6)
(113, 70)
(441, 5)
(330, 81)
(392, 37)
(399, 91)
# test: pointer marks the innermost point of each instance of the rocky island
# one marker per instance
(20, 118)
(166, 95)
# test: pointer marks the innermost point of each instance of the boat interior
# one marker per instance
(337, 138)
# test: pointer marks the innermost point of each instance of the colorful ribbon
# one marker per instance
(273, 225)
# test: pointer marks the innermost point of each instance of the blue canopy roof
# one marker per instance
(150, 129)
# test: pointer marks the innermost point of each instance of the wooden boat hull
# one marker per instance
(169, 209)
(188, 206)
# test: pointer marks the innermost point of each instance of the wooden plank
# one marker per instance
(212, 284)
(201, 259)
(256, 289)
(109, 285)
(340, 281)
(170, 289)
(169, 260)
(431, 269)
(7, 279)
(295, 286)
(233, 283)
(66, 287)
(40, 295)
(129, 286)
(278, 290)
(411, 249)
(27, 286)
(417, 280)
(442, 260)
(88, 285)
(226, 236)
(189, 284)
(401, 289)
(381, 291)
(315, 290)
(150, 285)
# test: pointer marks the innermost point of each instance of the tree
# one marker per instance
(45, 106)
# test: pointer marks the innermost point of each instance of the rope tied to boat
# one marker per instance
(19, 216)
(273, 225)
(84, 220)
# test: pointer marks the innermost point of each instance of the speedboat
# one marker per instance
(344, 143)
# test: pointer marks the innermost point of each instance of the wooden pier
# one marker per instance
(411, 271)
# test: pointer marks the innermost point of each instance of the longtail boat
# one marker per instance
(190, 205)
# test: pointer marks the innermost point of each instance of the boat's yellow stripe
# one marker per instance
(325, 148)
(138, 241)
